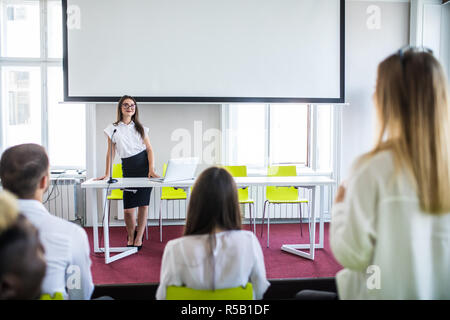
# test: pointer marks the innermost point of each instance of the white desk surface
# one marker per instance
(304, 181)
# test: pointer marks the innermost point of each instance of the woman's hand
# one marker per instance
(101, 178)
(340, 195)
(152, 174)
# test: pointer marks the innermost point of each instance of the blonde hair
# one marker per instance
(412, 103)
(9, 210)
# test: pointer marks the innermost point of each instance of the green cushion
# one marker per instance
(116, 194)
(282, 194)
(184, 293)
(55, 296)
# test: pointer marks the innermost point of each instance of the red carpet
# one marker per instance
(144, 267)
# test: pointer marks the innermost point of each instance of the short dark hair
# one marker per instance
(22, 167)
(213, 203)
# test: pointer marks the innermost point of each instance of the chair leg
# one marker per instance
(252, 207)
(268, 224)
(160, 220)
(309, 222)
(250, 211)
(146, 224)
(300, 211)
(264, 213)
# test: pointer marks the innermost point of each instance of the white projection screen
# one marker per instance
(204, 50)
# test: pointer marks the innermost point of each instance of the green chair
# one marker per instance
(241, 171)
(117, 194)
(281, 195)
(55, 296)
(184, 293)
(169, 194)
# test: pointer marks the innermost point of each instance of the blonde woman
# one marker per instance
(390, 225)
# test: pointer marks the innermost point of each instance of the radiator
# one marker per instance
(65, 198)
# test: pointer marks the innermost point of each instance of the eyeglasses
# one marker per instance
(402, 51)
(126, 106)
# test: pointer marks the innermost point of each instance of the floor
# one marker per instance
(144, 267)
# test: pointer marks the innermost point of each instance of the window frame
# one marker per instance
(43, 62)
(311, 168)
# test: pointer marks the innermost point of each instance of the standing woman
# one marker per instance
(130, 139)
(390, 226)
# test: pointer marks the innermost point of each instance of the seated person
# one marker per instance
(22, 262)
(214, 252)
(390, 223)
(24, 171)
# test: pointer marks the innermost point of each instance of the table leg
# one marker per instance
(95, 220)
(123, 251)
(296, 248)
(106, 230)
(321, 222)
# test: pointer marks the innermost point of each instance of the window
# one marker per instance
(258, 135)
(21, 104)
(20, 32)
(247, 130)
(288, 138)
(31, 83)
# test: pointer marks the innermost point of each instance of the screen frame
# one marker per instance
(172, 99)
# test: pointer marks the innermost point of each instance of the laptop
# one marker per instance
(179, 169)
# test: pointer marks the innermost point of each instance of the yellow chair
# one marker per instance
(168, 194)
(281, 195)
(117, 194)
(55, 296)
(241, 171)
(184, 293)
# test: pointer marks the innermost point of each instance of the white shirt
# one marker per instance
(66, 252)
(128, 141)
(238, 260)
(380, 224)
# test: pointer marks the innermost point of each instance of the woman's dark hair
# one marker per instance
(22, 167)
(213, 203)
(135, 117)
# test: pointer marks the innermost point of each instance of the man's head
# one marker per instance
(24, 170)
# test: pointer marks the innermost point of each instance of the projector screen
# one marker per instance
(204, 50)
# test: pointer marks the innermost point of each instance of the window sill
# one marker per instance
(300, 171)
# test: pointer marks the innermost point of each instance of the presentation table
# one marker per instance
(316, 184)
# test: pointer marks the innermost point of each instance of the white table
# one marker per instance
(314, 183)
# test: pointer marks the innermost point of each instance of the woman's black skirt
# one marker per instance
(136, 167)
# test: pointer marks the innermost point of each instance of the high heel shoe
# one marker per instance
(132, 245)
(139, 247)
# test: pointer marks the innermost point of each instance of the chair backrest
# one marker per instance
(117, 172)
(281, 193)
(184, 293)
(55, 296)
(239, 171)
(169, 192)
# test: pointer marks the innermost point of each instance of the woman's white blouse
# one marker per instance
(127, 140)
(389, 247)
(238, 260)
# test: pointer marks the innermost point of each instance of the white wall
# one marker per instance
(373, 30)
